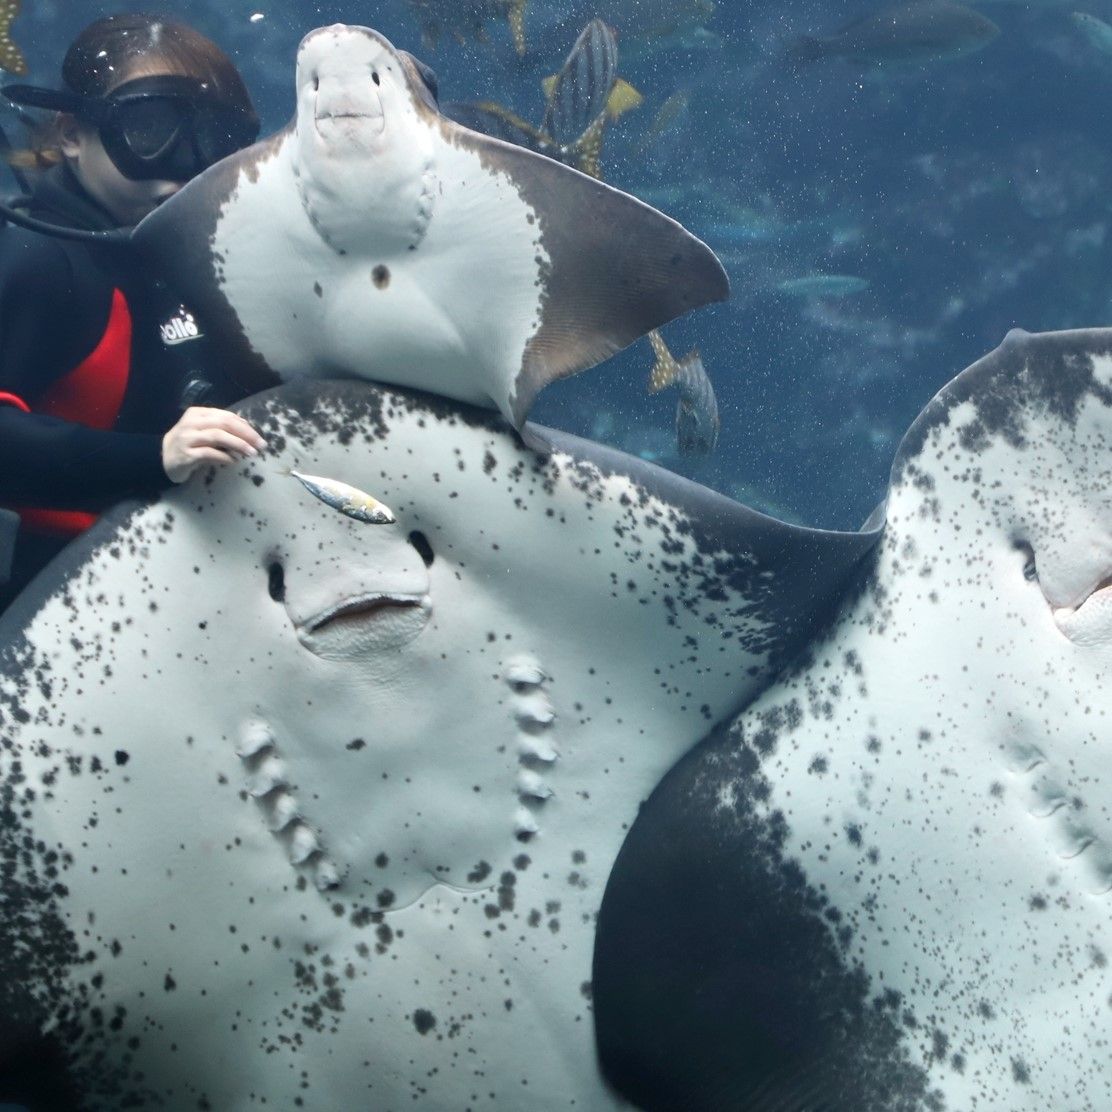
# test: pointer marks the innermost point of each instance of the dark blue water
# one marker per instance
(970, 194)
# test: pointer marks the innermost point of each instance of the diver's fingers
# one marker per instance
(197, 456)
(205, 417)
(184, 462)
(219, 438)
(184, 449)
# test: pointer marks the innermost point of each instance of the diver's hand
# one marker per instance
(204, 435)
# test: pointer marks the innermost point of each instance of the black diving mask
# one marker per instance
(164, 128)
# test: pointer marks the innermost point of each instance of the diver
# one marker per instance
(93, 408)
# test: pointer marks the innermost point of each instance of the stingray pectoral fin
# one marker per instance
(176, 243)
(614, 267)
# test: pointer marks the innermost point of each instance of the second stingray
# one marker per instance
(375, 238)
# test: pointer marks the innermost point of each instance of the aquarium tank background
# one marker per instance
(884, 223)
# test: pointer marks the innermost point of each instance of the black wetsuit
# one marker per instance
(91, 375)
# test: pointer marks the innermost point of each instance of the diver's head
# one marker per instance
(146, 104)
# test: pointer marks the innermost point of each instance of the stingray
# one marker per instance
(310, 812)
(885, 885)
(375, 238)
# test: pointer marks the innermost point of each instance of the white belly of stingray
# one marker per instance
(403, 309)
(466, 758)
(949, 793)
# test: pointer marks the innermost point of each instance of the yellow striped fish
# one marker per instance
(579, 102)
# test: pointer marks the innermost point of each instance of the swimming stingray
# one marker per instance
(375, 238)
(299, 809)
(886, 885)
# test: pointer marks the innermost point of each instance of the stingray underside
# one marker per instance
(608, 268)
(617, 268)
(106, 795)
(735, 968)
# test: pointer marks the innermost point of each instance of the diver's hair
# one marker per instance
(112, 50)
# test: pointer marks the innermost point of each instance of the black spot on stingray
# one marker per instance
(122, 757)
(421, 543)
(356, 744)
(506, 891)
(258, 480)
(424, 1021)
(381, 860)
(276, 581)
(1037, 903)
(385, 898)
(169, 984)
(1026, 377)
(317, 289)
(1020, 1072)
(478, 874)
(380, 276)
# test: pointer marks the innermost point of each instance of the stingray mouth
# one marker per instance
(1090, 619)
(351, 119)
(363, 624)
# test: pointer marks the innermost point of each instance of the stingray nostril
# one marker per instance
(316, 83)
(1030, 568)
(276, 581)
(424, 549)
(375, 77)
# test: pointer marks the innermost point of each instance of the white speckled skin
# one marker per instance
(454, 768)
(987, 789)
(934, 774)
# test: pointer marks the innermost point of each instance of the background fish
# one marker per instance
(579, 101)
(667, 116)
(1095, 30)
(11, 57)
(697, 420)
(468, 18)
(917, 32)
(823, 285)
(651, 26)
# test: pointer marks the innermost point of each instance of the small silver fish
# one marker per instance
(347, 499)
(697, 420)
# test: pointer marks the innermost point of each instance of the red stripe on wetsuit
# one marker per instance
(91, 394)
